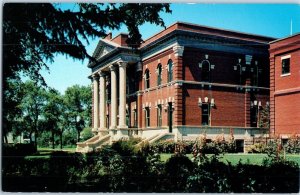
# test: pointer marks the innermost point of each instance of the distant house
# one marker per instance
(184, 81)
(285, 86)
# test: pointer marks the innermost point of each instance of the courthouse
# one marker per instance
(182, 82)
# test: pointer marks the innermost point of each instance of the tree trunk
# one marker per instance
(78, 135)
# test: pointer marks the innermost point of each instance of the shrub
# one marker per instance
(177, 170)
(293, 145)
(18, 149)
(210, 175)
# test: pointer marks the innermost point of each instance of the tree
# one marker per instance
(33, 33)
(32, 108)
(12, 111)
(78, 101)
(53, 112)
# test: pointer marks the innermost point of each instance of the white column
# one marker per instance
(96, 101)
(122, 108)
(102, 81)
(113, 123)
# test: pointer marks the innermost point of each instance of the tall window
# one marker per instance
(159, 115)
(285, 63)
(147, 117)
(135, 118)
(205, 114)
(128, 118)
(147, 79)
(205, 73)
(159, 76)
(253, 116)
(170, 70)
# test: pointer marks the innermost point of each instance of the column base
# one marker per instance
(94, 130)
(103, 131)
(123, 127)
(112, 127)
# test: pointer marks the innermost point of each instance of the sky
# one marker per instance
(273, 20)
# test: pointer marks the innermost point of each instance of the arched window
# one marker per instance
(147, 79)
(159, 76)
(205, 72)
(170, 70)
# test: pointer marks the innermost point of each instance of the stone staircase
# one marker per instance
(93, 143)
(157, 137)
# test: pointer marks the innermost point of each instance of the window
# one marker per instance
(205, 73)
(147, 117)
(253, 116)
(159, 115)
(128, 118)
(134, 118)
(285, 63)
(170, 70)
(147, 79)
(159, 70)
(205, 114)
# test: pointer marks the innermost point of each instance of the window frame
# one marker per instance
(147, 117)
(284, 58)
(207, 72)
(170, 70)
(147, 79)
(159, 74)
(208, 114)
(159, 115)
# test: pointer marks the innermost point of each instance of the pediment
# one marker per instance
(102, 49)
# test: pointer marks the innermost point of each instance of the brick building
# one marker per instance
(184, 81)
(285, 86)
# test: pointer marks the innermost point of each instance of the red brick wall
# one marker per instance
(161, 93)
(287, 114)
(293, 80)
(285, 90)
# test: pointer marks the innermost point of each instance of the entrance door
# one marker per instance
(170, 117)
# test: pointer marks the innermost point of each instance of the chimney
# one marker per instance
(108, 36)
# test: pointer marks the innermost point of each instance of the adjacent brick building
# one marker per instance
(182, 82)
(285, 86)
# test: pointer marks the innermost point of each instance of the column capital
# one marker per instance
(102, 73)
(122, 64)
(95, 76)
(178, 50)
(112, 67)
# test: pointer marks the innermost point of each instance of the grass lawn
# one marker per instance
(245, 158)
(67, 149)
(46, 152)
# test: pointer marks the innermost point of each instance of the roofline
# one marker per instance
(209, 27)
(223, 29)
(284, 38)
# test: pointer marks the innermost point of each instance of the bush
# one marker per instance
(293, 145)
(18, 149)
(86, 133)
(119, 168)
(177, 170)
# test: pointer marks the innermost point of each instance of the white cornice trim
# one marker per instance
(159, 51)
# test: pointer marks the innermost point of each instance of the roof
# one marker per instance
(285, 38)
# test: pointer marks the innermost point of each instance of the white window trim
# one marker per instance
(286, 74)
(285, 57)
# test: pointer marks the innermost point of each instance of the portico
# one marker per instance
(117, 127)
